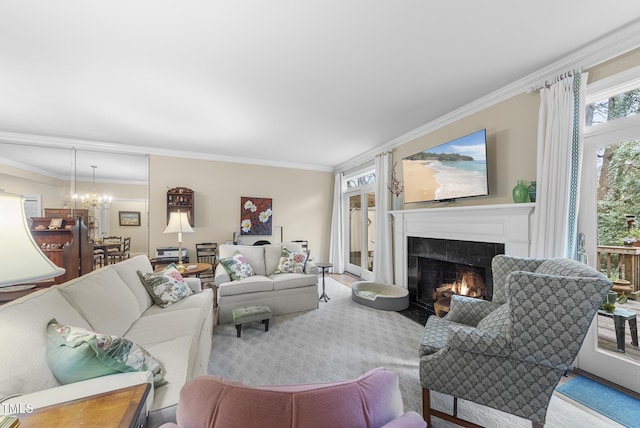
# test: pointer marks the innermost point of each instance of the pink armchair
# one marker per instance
(372, 401)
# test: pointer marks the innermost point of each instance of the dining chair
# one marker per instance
(207, 252)
(123, 253)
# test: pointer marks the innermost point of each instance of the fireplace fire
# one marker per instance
(471, 284)
(440, 268)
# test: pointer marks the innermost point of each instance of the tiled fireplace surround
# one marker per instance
(467, 235)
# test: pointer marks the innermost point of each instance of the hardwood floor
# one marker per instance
(607, 333)
(345, 278)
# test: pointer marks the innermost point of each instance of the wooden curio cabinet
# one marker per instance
(181, 199)
(67, 246)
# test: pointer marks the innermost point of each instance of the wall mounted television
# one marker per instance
(456, 169)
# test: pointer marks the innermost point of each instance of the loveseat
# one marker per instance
(373, 400)
(284, 293)
(111, 301)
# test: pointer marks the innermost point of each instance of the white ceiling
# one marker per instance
(309, 84)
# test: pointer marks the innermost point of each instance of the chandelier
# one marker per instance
(93, 199)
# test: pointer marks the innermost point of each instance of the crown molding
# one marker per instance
(596, 52)
(71, 143)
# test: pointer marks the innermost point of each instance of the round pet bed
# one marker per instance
(378, 295)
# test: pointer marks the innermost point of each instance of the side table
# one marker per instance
(619, 317)
(119, 408)
(324, 267)
(199, 268)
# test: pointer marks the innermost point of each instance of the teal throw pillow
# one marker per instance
(76, 354)
(237, 266)
(165, 287)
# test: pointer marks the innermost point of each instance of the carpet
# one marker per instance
(614, 404)
(342, 340)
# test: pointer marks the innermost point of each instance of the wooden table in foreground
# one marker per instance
(119, 408)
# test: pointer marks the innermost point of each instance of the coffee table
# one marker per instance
(199, 268)
(119, 408)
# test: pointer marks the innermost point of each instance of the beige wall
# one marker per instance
(511, 146)
(511, 137)
(302, 201)
(20, 182)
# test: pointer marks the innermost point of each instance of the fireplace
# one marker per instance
(438, 268)
(466, 236)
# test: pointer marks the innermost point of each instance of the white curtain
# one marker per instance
(383, 250)
(336, 245)
(560, 133)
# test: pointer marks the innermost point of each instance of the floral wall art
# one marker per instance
(255, 216)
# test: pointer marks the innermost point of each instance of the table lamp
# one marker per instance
(22, 259)
(179, 223)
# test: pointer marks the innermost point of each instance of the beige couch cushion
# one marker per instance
(23, 333)
(283, 281)
(251, 284)
(174, 355)
(127, 270)
(98, 296)
(145, 331)
(254, 255)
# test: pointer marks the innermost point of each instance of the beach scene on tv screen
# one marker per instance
(453, 170)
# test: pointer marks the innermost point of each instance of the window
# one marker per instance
(361, 180)
(612, 108)
(613, 98)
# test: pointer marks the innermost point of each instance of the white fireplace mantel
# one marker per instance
(509, 224)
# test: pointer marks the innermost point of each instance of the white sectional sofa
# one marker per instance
(284, 293)
(113, 301)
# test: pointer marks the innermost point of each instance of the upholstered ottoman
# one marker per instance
(378, 295)
(250, 314)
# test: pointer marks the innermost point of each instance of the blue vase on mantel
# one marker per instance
(520, 193)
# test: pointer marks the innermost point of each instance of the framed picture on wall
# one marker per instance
(129, 218)
(255, 216)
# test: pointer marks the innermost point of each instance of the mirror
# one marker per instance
(54, 177)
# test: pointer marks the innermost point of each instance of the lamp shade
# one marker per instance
(178, 223)
(22, 260)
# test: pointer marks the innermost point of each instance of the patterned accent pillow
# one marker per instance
(76, 354)
(291, 261)
(497, 320)
(165, 287)
(237, 266)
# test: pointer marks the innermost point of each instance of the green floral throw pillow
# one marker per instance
(76, 354)
(291, 261)
(237, 266)
(165, 287)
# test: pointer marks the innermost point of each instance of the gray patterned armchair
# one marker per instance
(509, 353)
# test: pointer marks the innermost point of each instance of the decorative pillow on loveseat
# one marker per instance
(291, 261)
(165, 287)
(237, 266)
(76, 354)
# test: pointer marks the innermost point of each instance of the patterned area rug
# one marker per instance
(342, 340)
